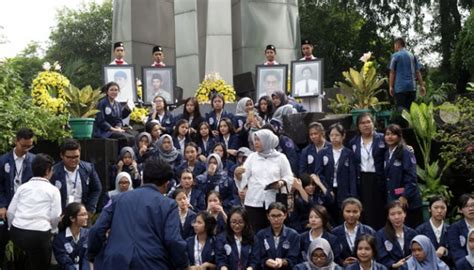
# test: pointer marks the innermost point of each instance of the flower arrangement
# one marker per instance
(48, 88)
(212, 84)
(139, 115)
(139, 89)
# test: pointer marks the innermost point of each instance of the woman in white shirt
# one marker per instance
(265, 167)
(34, 213)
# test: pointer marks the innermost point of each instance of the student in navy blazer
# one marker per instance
(8, 175)
(228, 137)
(283, 254)
(390, 252)
(181, 135)
(227, 163)
(457, 233)
(238, 232)
(161, 114)
(400, 175)
(336, 168)
(191, 161)
(369, 154)
(108, 121)
(366, 252)
(319, 228)
(309, 154)
(438, 207)
(186, 215)
(205, 139)
(84, 172)
(467, 262)
(201, 247)
(218, 112)
(70, 244)
(348, 233)
(191, 113)
(196, 198)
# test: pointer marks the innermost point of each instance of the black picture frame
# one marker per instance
(313, 85)
(269, 78)
(166, 87)
(124, 76)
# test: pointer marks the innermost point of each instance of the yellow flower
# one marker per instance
(213, 81)
(41, 97)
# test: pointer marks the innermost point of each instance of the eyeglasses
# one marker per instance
(469, 206)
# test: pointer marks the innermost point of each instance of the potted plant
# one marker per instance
(81, 105)
(362, 87)
(421, 119)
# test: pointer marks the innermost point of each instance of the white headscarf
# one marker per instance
(324, 245)
(241, 105)
(470, 253)
(117, 186)
(269, 142)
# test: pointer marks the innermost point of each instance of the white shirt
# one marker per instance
(238, 243)
(304, 58)
(74, 186)
(197, 251)
(35, 206)
(259, 172)
(313, 88)
(367, 163)
(336, 155)
(113, 62)
(182, 143)
(18, 170)
(68, 233)
(269, 63)
(401, 240)
(437, 230)
(351, 236)
(390, 152)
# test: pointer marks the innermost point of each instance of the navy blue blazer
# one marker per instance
(375, 266)
(331, 238)
(463, 264)
(233, 143)
(194, 124)
(7, 176)
(340, 233)
(401, 179)
(208, 253)
(144, 232)
(90, 183)
(300, 215)
(197, 200)
(288, 147)
(346, 177)
(288, 246)
(457, 239)
(199, 168)
(212, 119)
(227, 253)
(177, 145)
(167, 121)
(187, 229)
(308, 159)
(109, 116)
(426, 230)
(378, 152)
(206, 149)
(68, 253)
(222, 182)
(390, 252)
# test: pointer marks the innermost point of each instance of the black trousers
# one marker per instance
(372, 197)
(257, 217)
(404, 100)
(35, 246)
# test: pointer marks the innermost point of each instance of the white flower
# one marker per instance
(139, 82)
(46, 66)
(56, 66)
(366, 57)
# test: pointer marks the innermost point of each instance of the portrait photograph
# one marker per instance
(158, 81)
(124, 76)
(307, 78)
(270, 78)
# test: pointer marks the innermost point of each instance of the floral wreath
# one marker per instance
(214, 84)
(48, 89)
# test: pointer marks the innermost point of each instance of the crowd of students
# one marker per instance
(248, 198)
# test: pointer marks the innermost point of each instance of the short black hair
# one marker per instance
(157, 171)
(464, 199)
(400, 41)
(24, 133)
(209, 222)
(277, 206)
(370, 239)
(436, 198)
(41, 165)
(338, 127)
(69, 145)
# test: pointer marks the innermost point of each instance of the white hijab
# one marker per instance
(269, 142)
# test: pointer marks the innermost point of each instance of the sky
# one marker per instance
(22, 21)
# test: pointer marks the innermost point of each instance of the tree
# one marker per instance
(81, 42)
(463, 56)
(27, 64)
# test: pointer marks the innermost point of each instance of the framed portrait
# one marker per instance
(307, 78)
(124, 76)
(270, 78)
(158, 81)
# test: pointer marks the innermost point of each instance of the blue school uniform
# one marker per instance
(390, 252)
(400, 173)
(346, 180)
(228, 255)
(205, 147)
(208, 252)
(167, 121)
(427, 230)
(290, 149)
(178, 146)
(90, 184)
(71, 254)
(288, 246)
(375, 266)
(199, 168)
(187, 229)
(211, 118)
(299, 217)
(305, 240)
(378, 153)
(8, 171)
(219, 182)
(463, 264)
(243, 134)
(457, 239)
(308, 157)
(109, 116)
(303, 266)
(197, 198)
(347, 247)
(232, 143)
(136, 177)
